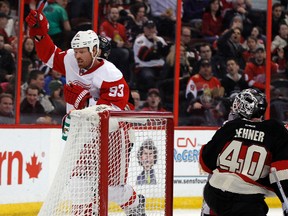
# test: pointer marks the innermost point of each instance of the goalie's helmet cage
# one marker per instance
(250, 103)
(84, 39)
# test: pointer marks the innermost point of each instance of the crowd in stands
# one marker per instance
(222, 51)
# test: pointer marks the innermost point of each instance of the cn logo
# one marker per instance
(184, 142)
(11, 167)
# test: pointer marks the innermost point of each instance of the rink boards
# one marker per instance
(29, 158)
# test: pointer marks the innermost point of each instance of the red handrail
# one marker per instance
(177, 62)
(19, 63)
(268, 55)
(95, 15)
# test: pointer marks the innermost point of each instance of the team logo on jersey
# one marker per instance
(85, 86)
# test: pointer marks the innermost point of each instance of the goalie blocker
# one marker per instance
(83, 184)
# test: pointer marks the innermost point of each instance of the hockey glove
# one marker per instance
(76, 95)
(37, 23)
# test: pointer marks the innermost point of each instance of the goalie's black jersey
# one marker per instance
(248, 149)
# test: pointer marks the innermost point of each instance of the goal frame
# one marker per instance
(103, 185)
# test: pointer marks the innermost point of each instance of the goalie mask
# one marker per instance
(249, 103)
(84, 39)
(105, 46)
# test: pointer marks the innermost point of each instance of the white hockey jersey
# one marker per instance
(105, 82)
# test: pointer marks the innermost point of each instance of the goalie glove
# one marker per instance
(37, 23)
(76, 95)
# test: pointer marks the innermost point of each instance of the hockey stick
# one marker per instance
(285, 200)
(41, 6)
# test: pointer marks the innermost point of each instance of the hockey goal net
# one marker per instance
(107, 150)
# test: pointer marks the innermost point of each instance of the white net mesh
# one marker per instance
(136, 166)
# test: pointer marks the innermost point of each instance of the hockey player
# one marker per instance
(91, 81)
(240, 156)
(78, 64)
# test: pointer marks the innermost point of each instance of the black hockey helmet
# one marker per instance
(249, 103)
(105, 47)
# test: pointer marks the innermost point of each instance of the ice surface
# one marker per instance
(196, 212)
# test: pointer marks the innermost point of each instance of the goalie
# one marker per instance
(240, 157)
(90, 81)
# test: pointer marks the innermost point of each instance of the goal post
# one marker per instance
(111, 156)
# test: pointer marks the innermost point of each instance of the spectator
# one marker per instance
(36, 77)
(146, 4)
(278, 17)
(135, 24)
(236, 21)
(242, 9)
(80, 11)
(149, 51)
(121, 47)
(29, 52)
(3, 24)
(226, 5)
(136, 98)
(153, 101)
(53, 75)
(255, 69)
(124, 14)
(234, 81)
(6, 109)
(212, 21)
(147, 158)
(57, 100)
(251, 45)
(164, 13)
(14, 37)
(258, 33)
(5, 8)
(202, 91)
(185, 68)
(229, 45)
(166, 85)
(7, 63)
(10, 87)
(31, 105)
(206, 52)
(27, 67)
(193, 10)
(59, 23)
(280, 40)
(279, 47)
(191, 53)
(203, 79)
